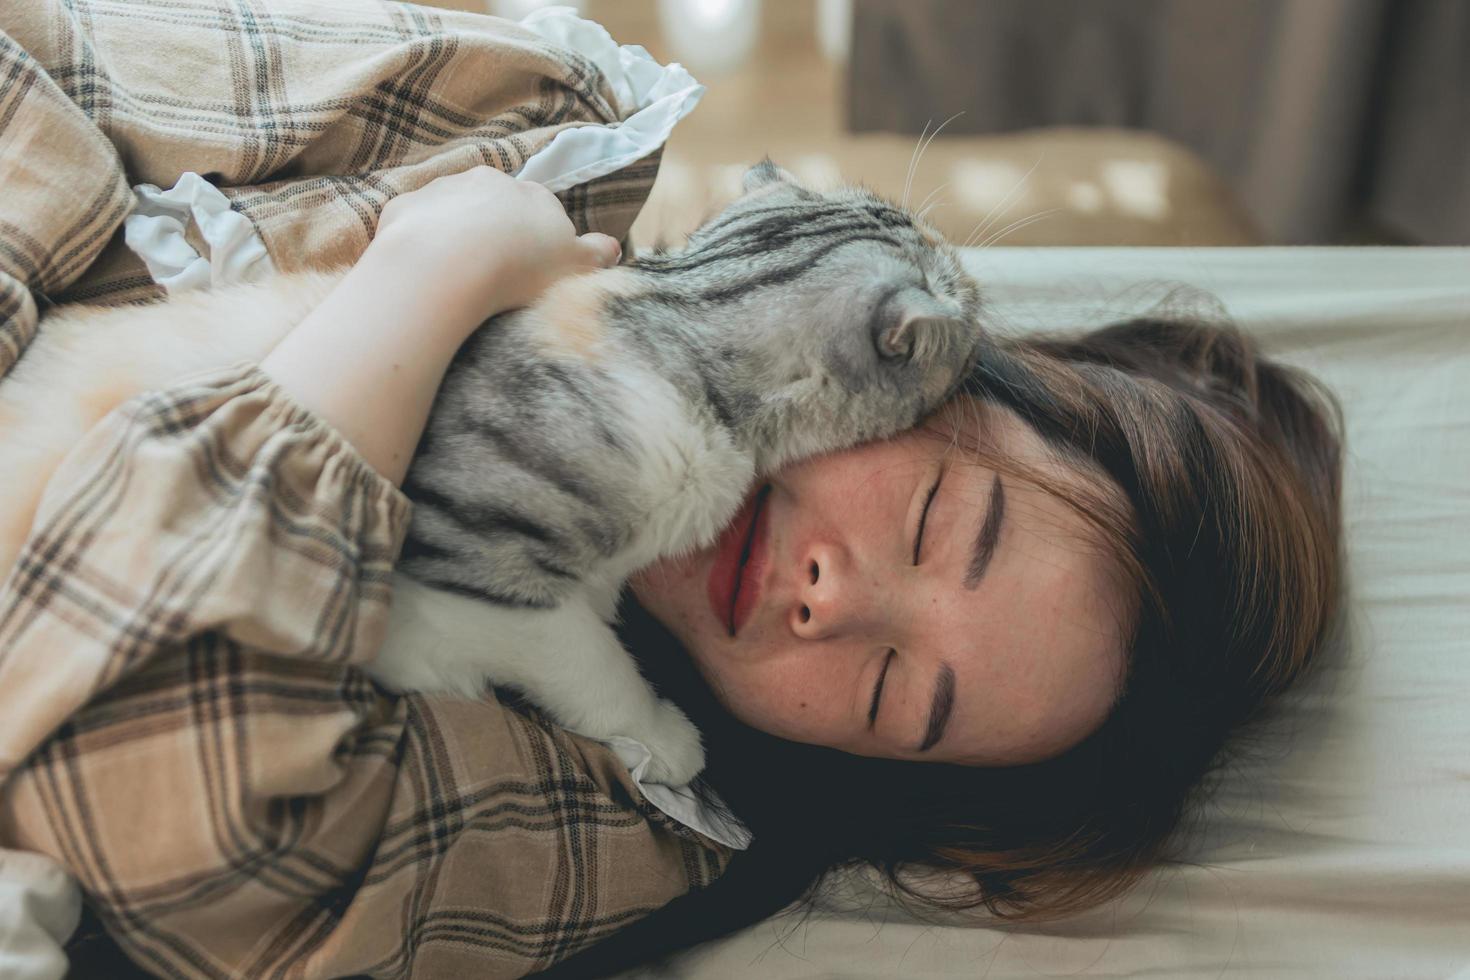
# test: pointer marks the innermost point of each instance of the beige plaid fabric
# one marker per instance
(308, 114)
(184, 725)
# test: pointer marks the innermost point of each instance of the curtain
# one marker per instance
(1318, 112)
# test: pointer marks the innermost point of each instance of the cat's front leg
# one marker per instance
(693, 479)
(585, 680)
(567, 660)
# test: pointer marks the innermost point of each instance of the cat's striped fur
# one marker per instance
(622, 418)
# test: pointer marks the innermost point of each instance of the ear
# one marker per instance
(901, 323)
(896, 341)
(764, 174)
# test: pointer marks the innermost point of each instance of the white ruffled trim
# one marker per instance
(40, 906)
(678, 802)
(659, 96)
(155, 230)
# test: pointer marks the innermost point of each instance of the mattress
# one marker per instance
(1346, 851)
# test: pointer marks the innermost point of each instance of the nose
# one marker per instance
(831, 598)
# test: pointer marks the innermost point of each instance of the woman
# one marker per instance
(1099, 563)
(1166, 561)
(1009, 644)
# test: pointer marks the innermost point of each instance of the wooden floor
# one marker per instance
(1040, 187)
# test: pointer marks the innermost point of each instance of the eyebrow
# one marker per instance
(983, 550)
(940, 707)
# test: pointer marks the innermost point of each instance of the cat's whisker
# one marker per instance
(925, 213)
(1017, 226)
(919, 158)
(908, 177)
(931, 194)
(981, 228)
(999, 209)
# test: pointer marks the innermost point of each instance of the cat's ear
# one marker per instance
(901, 323)
(765, 173)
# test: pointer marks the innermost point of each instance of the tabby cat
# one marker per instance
(622, 418)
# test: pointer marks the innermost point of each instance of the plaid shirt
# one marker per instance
(186, 729)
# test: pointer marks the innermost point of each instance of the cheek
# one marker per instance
(789, 702)
(662, 585)
(830, 479)
(854, 499)
(672, 592)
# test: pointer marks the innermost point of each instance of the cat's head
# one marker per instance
(832, 302)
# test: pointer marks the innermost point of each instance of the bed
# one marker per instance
(1344, 856)
(1345, 851)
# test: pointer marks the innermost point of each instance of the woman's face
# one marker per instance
(1000, 645)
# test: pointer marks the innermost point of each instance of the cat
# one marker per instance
(621, 418)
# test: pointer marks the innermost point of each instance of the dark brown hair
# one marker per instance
(1219, 480)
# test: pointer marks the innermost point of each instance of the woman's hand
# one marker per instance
(488, 241)
(447, 257)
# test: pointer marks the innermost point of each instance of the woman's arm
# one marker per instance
(446, 258)
(177, 651)
(369, 359)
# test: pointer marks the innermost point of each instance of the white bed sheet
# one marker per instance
(1349, 854)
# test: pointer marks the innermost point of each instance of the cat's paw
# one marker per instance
(678, 755)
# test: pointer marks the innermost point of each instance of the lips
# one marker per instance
(740, 559)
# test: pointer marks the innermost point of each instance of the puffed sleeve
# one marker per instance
(188, 734)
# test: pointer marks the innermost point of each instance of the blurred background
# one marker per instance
(1062, 122)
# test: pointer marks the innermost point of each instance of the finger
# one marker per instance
(605, 249)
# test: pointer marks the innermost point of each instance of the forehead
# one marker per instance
(966, 425)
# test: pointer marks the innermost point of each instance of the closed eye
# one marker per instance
(918, 541)
(924, 515)
(878, 690)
